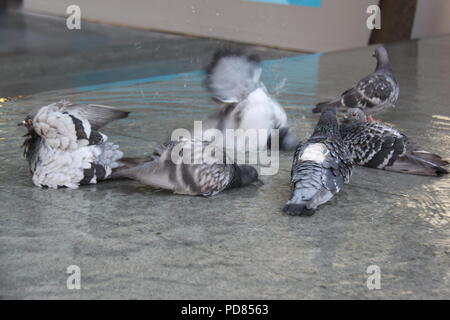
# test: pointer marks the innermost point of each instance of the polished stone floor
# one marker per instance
(135, 242)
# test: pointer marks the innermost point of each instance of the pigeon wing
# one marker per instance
(97, 115)
(67, 126)
(375, 145)
(337, 166)
(370, 92)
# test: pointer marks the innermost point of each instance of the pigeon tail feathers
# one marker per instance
(430, 157)
(133, 162)
(129, 167)
(321, 106)
(429, 165)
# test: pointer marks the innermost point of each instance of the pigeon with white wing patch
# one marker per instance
(320, 167)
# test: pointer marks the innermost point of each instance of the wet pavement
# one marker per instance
(135, 242)
(33, 45)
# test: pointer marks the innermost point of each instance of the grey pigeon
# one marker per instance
(378, 145)
(64, 147)
(320, 167)
(185, 167)
(373, 93)
(234, 79)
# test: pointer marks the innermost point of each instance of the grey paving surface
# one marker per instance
(136, 242)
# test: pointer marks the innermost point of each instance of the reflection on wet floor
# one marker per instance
(34, 45)
(134, 241)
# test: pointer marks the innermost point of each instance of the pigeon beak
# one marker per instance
(23, 123)
(259, 183)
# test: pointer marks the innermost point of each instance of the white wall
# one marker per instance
(338, 24)
(432, 18)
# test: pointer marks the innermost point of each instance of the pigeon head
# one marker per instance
(328, 125)
(355, 115)
(244, 175)
(382, 57)
(248, 174)
(27, 123)
(32, 139)
(232, 75)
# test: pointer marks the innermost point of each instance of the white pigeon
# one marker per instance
(64, 147)
(373, 93)
(234, 79)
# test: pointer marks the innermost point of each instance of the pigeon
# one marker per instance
(187, 167)
(320, 167)
(378, 145)
(64, 147)
(373, 93)
(234, 80)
